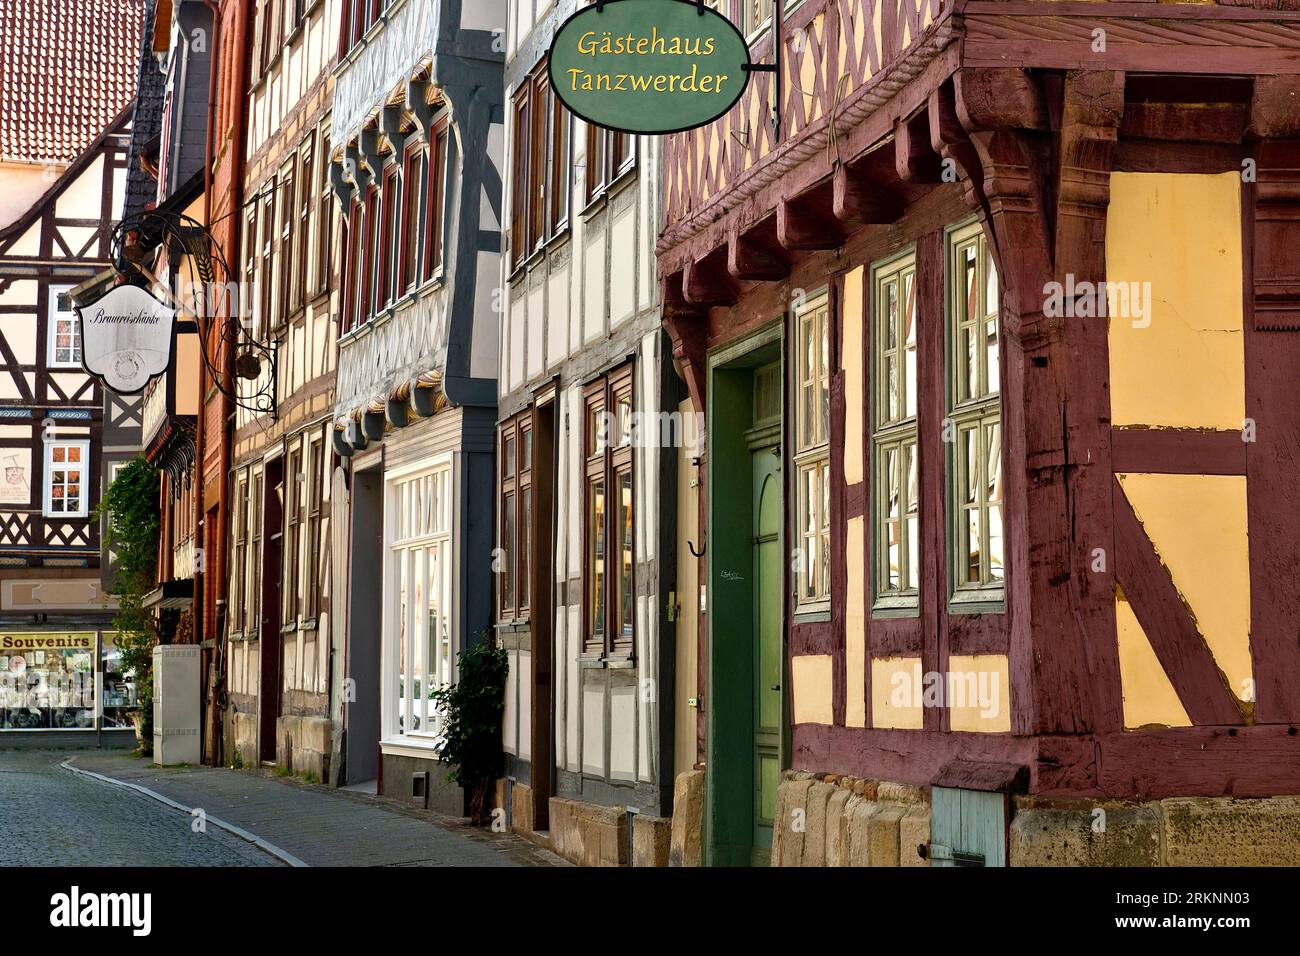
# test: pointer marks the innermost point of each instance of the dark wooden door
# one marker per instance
(269, 629)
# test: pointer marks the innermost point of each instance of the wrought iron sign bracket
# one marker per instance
(211, 301)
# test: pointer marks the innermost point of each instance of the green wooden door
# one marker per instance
(767, 646)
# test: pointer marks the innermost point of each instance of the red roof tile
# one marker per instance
(67, 68)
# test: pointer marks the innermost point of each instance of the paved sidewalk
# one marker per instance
(321, 826)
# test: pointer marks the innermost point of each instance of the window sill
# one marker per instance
(425, 748)
(978, 602)
(887, 608)
(812, 615)
(620, 662)
(558, 238)
(594, 205)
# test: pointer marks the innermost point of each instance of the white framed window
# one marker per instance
(66, 491)
(755, 16)
(812, 452)
(895, 504)
(64, 348)
(419, 654)
(975, 538)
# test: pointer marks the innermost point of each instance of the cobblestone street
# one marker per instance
(70, 820)
(74, 819)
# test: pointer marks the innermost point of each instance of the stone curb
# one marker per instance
(283, 855)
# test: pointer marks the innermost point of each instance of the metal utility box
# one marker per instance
(176, 705)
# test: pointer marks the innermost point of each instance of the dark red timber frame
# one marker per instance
(1033, 150)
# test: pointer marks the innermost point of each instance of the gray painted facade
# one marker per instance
(416, 390)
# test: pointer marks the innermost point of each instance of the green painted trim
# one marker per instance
(981, 599)
(729, 783)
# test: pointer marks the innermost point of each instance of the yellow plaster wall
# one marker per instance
(1198, 526)
(989, 710)
(1181, 233)
(855, 624)
(1149, 697)
(886, 712)
(851, 362)
(813, 687)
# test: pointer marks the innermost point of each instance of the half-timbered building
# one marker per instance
(589, 440)
(992, 310)
(278, 627)
(416, 142)
(63, 140)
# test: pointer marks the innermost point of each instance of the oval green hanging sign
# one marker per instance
(649, 66)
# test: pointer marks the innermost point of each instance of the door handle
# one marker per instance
(776, 687)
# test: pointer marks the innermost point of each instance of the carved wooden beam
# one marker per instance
(949, 139)
(707, 283)
(800, 229)
(861, 199)
(750, 258)
(687, 327)
(1092, 112)
(915, 158)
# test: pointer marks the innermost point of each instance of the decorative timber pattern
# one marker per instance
(833, 50)
(392, 350)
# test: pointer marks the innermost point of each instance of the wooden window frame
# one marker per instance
(435, 213)
(387, 248)
(266, 268)
(606, 458)
(253, 575)
(540, 162)
(308, 183)
(324, 216)
(514, 596)
(57, 316)
(315, 457)
(607, 159)
(239, 549)
(977, 413)
(415, 183)
(248, 309)
(369, 256)
(82, 468)
(812, 455)
(895, 435)
(291, 546)
(286, 202)
(351, 287)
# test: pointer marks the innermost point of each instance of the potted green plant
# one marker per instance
(472, 710)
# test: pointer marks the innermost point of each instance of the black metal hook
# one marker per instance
(691, 544)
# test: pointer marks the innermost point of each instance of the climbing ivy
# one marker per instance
(132, 526)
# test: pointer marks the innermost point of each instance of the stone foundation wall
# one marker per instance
(303, 746)
(833, 820)
(587, 834)
(1179, 831)
(242, 739)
